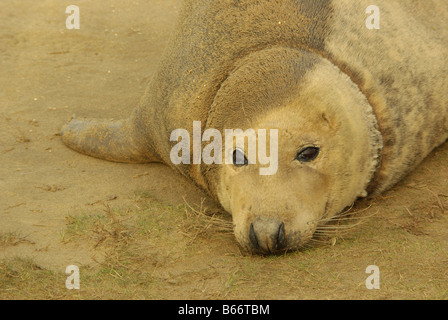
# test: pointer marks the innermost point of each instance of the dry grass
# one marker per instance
(148, 254)
(200, 221)
(108, 226)
(9, 239)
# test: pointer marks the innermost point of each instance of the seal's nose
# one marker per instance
(267, 235)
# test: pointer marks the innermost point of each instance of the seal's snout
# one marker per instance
(267, 235)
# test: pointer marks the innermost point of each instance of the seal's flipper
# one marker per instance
(110, 140)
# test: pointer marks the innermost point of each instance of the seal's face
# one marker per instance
(326, 157)
(281, 210)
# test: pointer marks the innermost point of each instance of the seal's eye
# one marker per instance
(239, 159)
(308, 154)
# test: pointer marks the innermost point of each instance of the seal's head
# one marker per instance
(327, 147)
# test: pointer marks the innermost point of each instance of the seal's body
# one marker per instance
(355, 109)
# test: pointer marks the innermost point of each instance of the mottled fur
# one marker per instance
(403, 71)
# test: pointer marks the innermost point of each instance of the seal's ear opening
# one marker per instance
(327, 120)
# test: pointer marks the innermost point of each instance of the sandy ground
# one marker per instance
(49, 73)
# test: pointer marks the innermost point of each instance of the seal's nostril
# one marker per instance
(253, 237)
(281, 237)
